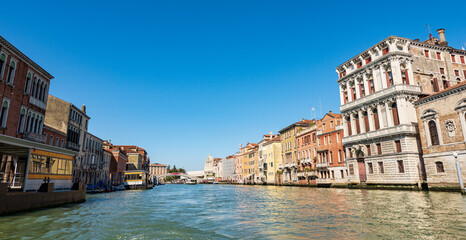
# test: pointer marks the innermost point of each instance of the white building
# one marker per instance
(377, 91)
(209, 167)
(227, 168)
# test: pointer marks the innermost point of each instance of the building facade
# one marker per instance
(307, 154)
(289, 165)
(25, 158)
(263, 167)
(442, 130)
(118, 163)
(91, 165)
(156, 170)
(330, 164)
(377, 91)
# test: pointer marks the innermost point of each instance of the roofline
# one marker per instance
(25, 58)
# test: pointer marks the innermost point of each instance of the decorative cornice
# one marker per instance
(390, 56)
(440, 95)
(23, 57)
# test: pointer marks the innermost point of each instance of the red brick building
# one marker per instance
(54, 137)
(306, 141)
(25, 159)
(117, 163)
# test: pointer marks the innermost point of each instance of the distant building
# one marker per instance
(227, 168)
(92, 164)
(262, 158)
(209, 167)
(157, 169)
(442, 130)
(66, 117)
(330, 164)
(289, 165)
(307, 154)
(271, 157)
(118, 163)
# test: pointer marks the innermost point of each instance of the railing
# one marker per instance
(37, 102)
(16, 181)
(380, 94)
(322, 180)
(322, 165)
(395, 130)
(72, 146)
(34, 137)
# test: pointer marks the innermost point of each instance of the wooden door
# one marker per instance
(362, 171)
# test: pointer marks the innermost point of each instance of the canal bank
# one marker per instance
(207, 211)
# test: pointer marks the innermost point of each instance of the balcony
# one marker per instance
(339, 127)
(38, 103)
(72, 146)
(380, 94)
(322, 165)
(385, 132)
(34, 137)
(280, 166)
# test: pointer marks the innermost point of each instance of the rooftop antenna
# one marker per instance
(320, 103)
(428, 30)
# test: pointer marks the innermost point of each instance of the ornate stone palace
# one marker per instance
(377, 90)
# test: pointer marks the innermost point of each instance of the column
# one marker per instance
(389, 114)
(402, 107)
(383, 77)
(342, 97)
(381, 116)
(410, 69)
(356, 88)
(366, 84)
(345, 126)
(362, 124)
(396, 71)
(370, 115)
(353, 125)
(348, 91)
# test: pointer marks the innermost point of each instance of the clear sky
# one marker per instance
(183, 79)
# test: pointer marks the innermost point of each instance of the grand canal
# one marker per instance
(253, 212)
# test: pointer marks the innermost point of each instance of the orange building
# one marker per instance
(330, 164)
(306, 141)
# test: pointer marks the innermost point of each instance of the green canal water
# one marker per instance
(251, 212)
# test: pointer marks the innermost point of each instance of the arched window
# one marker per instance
(358, 128)
(2, 64)
(366, 121)
(28, 81)
(22, 117)
(376, 119)
(11, 72)
(439, 166)
(433, 133)
(4, 113)
(389, 76)
(404, 75)
(435, 87)
(445, 82)
(396, 119)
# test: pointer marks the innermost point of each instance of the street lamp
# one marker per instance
(458, 171)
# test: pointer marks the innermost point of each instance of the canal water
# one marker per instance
(251, 212)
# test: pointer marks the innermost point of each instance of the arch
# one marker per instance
(428, 113)
(434, 137)
(375, 114)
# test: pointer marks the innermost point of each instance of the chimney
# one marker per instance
(83, 108)
(240, 145)
(330, 111)
(441, 35)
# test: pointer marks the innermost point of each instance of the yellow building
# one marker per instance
(271, 157)
(247, 162)
(288, 141)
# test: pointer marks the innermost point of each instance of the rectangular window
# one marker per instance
(439, 166)
(359, 65)
(371, 86)
(351, 169)
(368, 60)
(453, 58)
(464, 73)
(381, 167)
(438, 56)
(442, 70)
(368, 147)
(401, 167)
(371, 169)
(379, 149)
(462, 59)
(362, 91)
(398, 146)
(385, 51)
(426, 53)
(51, 140)
(457, 73)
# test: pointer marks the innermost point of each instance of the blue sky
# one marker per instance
(183, 79)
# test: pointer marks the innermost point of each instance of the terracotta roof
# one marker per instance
(444, 90)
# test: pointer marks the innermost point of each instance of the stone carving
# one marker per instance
(450, 127)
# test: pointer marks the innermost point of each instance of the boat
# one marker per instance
(191, 182)
(138, 179)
